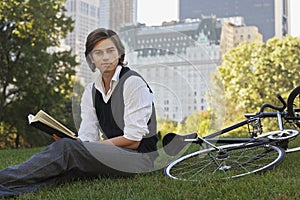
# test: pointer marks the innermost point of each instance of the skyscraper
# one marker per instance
(115, 14)
(260, 13)
(85, 14)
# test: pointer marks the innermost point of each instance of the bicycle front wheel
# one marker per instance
(235, 160)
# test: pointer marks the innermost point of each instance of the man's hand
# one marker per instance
(56, 137)
(121, 141)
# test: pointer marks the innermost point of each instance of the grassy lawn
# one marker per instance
(281, 183)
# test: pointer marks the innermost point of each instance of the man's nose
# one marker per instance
(105, 56)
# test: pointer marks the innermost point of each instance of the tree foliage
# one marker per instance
(33, 75)
(253, 73)
(197, 122)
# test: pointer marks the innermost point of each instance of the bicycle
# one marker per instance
(237, 157)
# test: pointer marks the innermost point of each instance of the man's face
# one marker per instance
(105, 56)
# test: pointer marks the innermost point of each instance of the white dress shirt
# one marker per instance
(137, 108)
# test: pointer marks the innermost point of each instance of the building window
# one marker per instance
(73, 6)
(93, 11)
(84, 8)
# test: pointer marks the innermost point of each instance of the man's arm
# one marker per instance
(121, 141)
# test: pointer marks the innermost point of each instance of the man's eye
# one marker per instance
(97, 53)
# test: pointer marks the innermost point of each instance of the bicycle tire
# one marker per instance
(293, 109)
(206, 163)
(293, 105)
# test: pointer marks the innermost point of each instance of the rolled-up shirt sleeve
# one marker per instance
(138, 108)
(89, 126)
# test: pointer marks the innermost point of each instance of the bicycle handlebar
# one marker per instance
(279, 108)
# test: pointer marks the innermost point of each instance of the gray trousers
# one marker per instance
(68, 159)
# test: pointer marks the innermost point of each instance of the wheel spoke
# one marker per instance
(235, 162)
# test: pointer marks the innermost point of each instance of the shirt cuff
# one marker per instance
(131, 134)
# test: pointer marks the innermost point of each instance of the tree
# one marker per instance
(200, 123)
(33, 76)
(165, 126)
(253, 73)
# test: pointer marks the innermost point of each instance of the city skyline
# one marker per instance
(168, 10)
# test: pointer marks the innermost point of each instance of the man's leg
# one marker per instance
(64, 158)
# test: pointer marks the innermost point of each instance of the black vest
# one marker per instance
(111, 114)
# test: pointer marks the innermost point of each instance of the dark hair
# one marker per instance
(101, 34)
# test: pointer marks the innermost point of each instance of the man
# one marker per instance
(117, 135)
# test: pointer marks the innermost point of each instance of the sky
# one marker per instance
(154, 12)
(295, 6)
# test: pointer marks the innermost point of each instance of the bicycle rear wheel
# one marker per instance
(293, 108)
(236, 160)
(293, 105)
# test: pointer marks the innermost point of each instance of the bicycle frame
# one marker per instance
(261, 139)
(247, 121)
(251, 118)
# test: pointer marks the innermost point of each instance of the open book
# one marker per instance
(48, 124)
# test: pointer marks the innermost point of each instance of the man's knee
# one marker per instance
(65, 143)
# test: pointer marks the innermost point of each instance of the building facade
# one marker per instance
(235, 32)
(170, 37)
(115, 14)
(260, 13)
(177, 60)
(86, 16)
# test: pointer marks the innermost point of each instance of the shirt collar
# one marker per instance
(114, 80)
(116, 76)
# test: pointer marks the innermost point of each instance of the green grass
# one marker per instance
(281, 183)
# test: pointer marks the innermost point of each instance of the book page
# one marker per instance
(50, 121)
